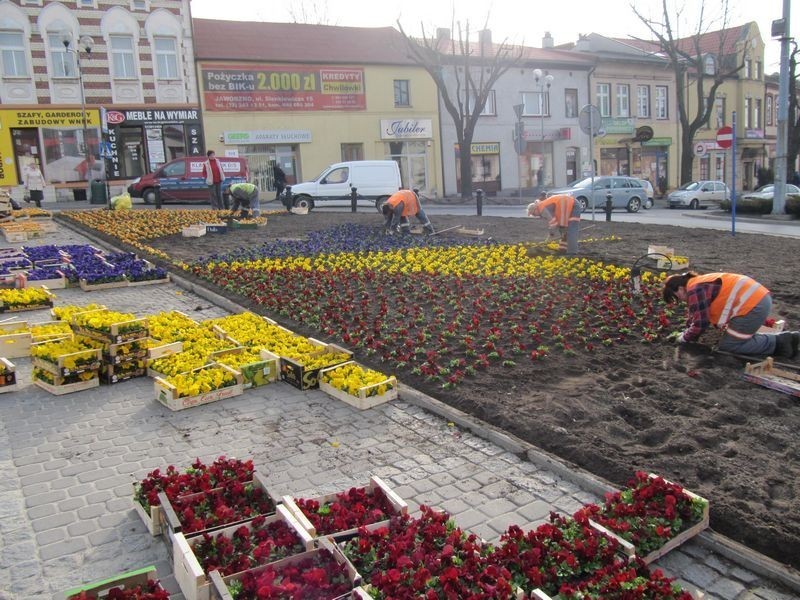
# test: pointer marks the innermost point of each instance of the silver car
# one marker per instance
(767, 192)
(626, 192)
(699, 194)
(648, 188)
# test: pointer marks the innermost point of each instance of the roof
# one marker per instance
(709, 42)
(298, 42)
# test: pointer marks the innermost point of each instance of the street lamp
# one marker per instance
(85, 43)
(542, 82)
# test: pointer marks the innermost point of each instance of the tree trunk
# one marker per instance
(687, 155)
(466, 173)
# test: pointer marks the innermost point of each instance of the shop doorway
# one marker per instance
(573, 159)
(26, 149)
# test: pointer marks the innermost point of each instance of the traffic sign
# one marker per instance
(590, 120)
(724, 137)
(700, 149)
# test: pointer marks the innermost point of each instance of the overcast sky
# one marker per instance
(520, 22)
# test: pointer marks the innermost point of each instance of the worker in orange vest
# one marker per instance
(399, 207)
(734, 303)
(564, 212)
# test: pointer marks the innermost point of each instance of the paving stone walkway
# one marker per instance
(67, 464)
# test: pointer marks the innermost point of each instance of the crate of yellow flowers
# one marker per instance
(199, 386)
(302, 370)
(354, 385)
(66, 357)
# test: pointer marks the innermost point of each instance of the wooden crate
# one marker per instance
(51, 284)
(296, 374)
(255, 374)
(167, 394)
(149, 281)
(163, 350)
(58, 368)
(8, 376)
(363, 401)
(115, 353)
(220, 590)
(39, 338)
(67, 388)
(16, 345)
(198, 230)
(766, 374)
(128, 580)
(115, 336)
(91, 287)
(397, 503)
(151, 518)
(189, 574)
(47, 303)
(116, 373)
(625, 547)
(673, 263)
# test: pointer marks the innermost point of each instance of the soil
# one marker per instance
(689, 417)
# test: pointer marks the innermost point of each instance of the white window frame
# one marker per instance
(536, 104)
(662, 102)
(623, 100)
(603, 92)
(131, 54)
(157, 54)
(85, 4)
(16, 51)
(30, 2)
(748, 113)
(398, 91)
(489, 108)
(63, 64)
(145, 6)
(643, 101)
(768, 111)
(748, 68)
(758, 70)
(573, 93)
(719, 110)
(757, 113)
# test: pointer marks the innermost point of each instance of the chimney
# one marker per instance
(485, 37)
(583, 44)
(442, 34)
(547, 40)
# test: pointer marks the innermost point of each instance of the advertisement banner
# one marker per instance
(264, 87)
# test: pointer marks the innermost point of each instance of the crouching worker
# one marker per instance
(734, 303)
(399, 207)
(564, 212)
(244, 195)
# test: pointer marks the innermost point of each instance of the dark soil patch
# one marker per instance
(632, 406)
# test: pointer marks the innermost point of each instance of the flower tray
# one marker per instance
(234, 224)
(398, 505)
(108, 285)
(767, 375)
(14, 281)
(673, 263)
(15, 345)
(665, 250)
(171, 523)
(149, 281)
(48, 303)
(8, 376)
(155, 352)
(364, 400)
(198, 230)
(59, 389)
(189, 574)
(126, 352)
(111, 374)
(299, 376)
(220, 584)
(167, 394)
(116, 335)
(51, 284)
(14, 235)
(129, 580)
(258, 373)
(91, 355)
(150, 516)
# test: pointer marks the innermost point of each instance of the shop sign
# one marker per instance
(269, 136)
(754, 134)
(266, 87)
(152, 116)
(550, 135)
(616, 125)
(659, 141)
(49, 118)
(492, 148)
(404, 129)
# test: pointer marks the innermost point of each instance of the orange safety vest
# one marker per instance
(738, 296)
(562, 206)
(409, 200)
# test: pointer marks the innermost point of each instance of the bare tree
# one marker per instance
(692, 73)
(464, 73)
(314, 12)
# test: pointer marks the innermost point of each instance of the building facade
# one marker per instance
(131, 58)
(306, 96)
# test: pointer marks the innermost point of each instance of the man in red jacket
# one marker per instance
(212, 171)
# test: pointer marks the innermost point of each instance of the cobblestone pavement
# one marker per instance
(67, 464)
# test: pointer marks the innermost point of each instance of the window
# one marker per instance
(623, 100)
(339, 175)
(570, 103)
(87, 4)
(757, 114)
(141, 5)
(748, 68)
(166, 55)
(12, 48)
(123, 60)
(720, 111)
(63, 61)
(709, 65)
(177, 169)
(536, 104)
(758, 69)
(768, 112)
(662, 104)
(401, 96)
(603, 99)
(489, 108)
(643, 101)
(748, 113)
(352, 152)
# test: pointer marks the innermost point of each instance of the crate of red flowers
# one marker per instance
(322, 574)
(340, 515)
(134, 585)
(235, 549)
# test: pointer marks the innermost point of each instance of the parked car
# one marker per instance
(182, 180)
(648, 187)
(626, 192)
(374, 180)
(767, 192)
(699, 194)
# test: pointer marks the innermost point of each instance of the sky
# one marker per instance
(519, 22)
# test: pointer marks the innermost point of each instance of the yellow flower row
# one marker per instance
(170, 326)
(102, 320)
(201, 381)
(65, 313)
(73, 352)
(24, 297)
(350, 378)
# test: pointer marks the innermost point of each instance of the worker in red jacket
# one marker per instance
(564, 212)
(734, 303)
(399, 207)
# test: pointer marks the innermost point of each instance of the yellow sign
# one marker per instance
(491, 148)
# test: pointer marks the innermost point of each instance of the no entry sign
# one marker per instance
(725, 137)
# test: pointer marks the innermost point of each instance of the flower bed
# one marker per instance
(340, 515)
(357, 386)
(203, 385)
(134, 585)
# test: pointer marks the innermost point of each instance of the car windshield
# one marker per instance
(766, 188)
(318, 177)
(692, 185)
(582, 183)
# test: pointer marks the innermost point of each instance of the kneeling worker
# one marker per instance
(399, 207)
(564, 212)
(243, 195)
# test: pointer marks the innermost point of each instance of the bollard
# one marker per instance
(158, 195)
(609, 205)
(479, 201)
(353, 199)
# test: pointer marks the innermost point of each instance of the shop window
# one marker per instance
(123, 57)
(12, 47)
(166, 58)
(401, 92)
(413, 162)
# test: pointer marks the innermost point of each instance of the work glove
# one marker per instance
(676, 337)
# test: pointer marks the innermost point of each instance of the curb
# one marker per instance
(735, 552)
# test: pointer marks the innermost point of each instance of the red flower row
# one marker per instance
(152, 590)
(349, 510)
(236, 501)
(625, 582)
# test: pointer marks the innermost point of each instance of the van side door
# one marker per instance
(335, 185)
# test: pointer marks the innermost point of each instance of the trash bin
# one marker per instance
(99, 192)
(79, 195)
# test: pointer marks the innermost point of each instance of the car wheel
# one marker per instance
(694, 204)
(634, 204)
(303, 202)
(149, 196)
(648, 204)
(379, 202)
(583, 202)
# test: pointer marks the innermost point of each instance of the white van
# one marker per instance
(374, 180)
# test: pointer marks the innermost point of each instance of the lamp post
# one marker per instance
(542, 82)
(85, 43)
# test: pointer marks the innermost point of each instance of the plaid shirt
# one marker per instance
(699, 299)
